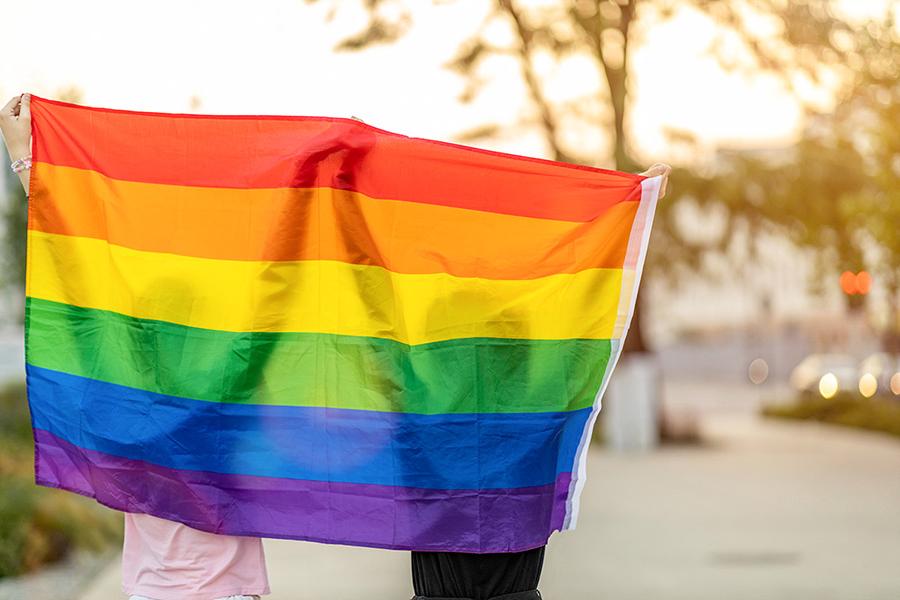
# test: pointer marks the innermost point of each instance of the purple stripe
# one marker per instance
(378, 516)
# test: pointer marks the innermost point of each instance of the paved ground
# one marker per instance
(763, 511)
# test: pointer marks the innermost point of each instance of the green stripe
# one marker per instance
(484, 375)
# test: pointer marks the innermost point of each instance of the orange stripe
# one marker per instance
(321, 224)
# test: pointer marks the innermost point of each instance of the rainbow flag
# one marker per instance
(310, 328)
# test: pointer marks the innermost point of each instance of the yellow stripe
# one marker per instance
(319, 296)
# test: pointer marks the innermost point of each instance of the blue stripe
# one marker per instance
(448, 451)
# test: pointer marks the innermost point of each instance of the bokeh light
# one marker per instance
(863, 282)
(868, 385)
(856, 283)
(848, 283)
(895, 384)
(828, 385)
(758, 371)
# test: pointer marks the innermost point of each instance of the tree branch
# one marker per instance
(535, 90)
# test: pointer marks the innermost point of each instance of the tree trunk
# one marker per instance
(617, 85)
(635, 341)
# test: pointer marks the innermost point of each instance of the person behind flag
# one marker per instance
(166, 560)
(161, 559)
(504, 576)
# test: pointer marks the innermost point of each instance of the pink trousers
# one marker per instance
(164, 560)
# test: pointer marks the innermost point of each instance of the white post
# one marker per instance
(631, 404)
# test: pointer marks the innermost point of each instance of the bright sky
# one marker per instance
(275, 57)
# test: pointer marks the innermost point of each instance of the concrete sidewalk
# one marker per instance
(766, 510)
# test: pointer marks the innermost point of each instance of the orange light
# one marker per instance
(856, 283)
(863, 282)
(848, 283)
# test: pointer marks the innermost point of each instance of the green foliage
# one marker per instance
(38, 525)
(14, 221)
(15, 423)
(850, 410)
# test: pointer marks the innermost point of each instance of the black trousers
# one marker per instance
(441, 575)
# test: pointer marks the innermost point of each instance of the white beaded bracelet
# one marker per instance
(20, 165)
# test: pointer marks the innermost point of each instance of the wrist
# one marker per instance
(17, 152)
(21, 164)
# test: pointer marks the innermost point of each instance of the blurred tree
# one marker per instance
(12, 276)
(837, 191)
(795, 40)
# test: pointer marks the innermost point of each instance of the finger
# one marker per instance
(650, 172)
(663, 172)
(8, 110)
(25, 107)
(658, 169)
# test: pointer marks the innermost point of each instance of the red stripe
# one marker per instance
(242, 151)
